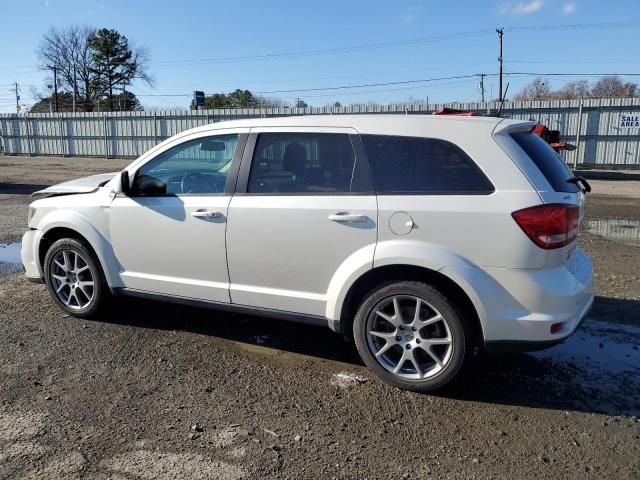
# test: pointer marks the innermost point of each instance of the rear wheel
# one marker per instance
(411, 336)
(74, 278)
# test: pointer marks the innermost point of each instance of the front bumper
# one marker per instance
(30, 257)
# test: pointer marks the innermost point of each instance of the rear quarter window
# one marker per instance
(417, 165)
(547, 160)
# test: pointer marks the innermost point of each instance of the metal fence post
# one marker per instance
(106, 144)
(61, 136)
(575, 157)
(26, 126)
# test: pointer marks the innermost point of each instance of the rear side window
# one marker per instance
(422, 166)
(547, 160)
(304, 163)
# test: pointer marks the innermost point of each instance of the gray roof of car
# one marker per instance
(353, 121)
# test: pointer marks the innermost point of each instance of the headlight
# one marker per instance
(32, 212)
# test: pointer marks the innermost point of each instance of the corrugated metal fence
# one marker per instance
(604, 139)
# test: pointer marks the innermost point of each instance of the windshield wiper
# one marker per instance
(579, 179)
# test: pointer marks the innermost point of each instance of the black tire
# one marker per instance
(459, 334)
(100, 288)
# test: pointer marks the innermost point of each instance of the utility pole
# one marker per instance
(16, 89)
(500, 33)
(55, 86)
(74, 89)
(482, 75)
(124, 94)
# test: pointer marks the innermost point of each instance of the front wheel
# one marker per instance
(74, 278)
(411, 336)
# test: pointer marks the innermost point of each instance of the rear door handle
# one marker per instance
(206, 214)
(348, 217)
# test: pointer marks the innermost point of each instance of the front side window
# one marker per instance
(422, 166)
(196, 166)
(302, 163)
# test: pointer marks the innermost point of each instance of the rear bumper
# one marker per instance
(519, 346)
(517, 307)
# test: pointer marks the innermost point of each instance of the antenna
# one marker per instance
(503, 99)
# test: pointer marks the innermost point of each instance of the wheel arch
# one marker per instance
(401, 272)
(79, 228)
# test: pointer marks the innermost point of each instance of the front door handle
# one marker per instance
(206, 214)
(348, 217)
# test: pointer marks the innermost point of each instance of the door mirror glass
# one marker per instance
(147, 185)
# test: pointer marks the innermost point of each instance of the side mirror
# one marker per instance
(125, 186)
(148, 185)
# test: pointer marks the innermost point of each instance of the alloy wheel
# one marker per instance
(409, 337)
(71, 279)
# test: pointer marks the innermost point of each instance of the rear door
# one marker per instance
(303, 206)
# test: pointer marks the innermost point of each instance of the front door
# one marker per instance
(169, 234)
(303, 208)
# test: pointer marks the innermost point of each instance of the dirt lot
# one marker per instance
(160, 391)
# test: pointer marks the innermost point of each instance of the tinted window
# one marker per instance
(547, 160)
(302, 163)
(422, 165)
(196, 166)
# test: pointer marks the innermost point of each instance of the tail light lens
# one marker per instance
(549, 226)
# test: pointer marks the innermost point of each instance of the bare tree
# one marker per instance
(614, 87)
(573, 90)
(69, 51)
(538, 89)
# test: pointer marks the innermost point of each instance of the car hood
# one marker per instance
(80, 185)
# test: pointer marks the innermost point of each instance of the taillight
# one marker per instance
(549, 226)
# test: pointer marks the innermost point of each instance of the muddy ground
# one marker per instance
(160, 391)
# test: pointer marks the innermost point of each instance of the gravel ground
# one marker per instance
(160, 391)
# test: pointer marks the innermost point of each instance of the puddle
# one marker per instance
(10, 252)
(605, 359)
(625, 231)
(10, 261)
(614, 348)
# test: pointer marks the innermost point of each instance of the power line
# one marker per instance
(366, 85)
(575, 26)
(325, 51)
(408, 82)
(556, 74)
(376, 45)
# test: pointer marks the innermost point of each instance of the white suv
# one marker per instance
(425, 238)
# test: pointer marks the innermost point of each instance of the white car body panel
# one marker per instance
(281, 252)
(79, 185)
(192, 250)
(271, 240)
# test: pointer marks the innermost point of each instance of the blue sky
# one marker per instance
(186, 39)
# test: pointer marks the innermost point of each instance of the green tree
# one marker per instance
(236, 99)
(116, 63)
(46, 104)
